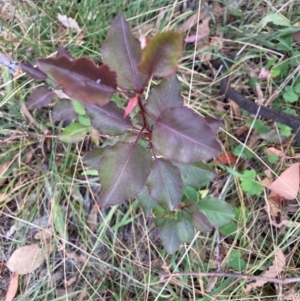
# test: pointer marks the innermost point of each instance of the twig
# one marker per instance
(163, 276)
(252, 107)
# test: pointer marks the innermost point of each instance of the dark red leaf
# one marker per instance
(108, 119)
(63, 51)
(214, 123)
(159, 57)
(183, 136)
(33, 72)
(122, 53)
(123, 172)
(169, 236)
(81, 79)
(93, 157)
(63, 110)
(39, 98)
(201, 222)
(165, 184)
(165, 95)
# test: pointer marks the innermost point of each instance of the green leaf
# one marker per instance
(165, 184)
(280, 69)
(191, 193)
(78, 107)
(289, 95)
(59, 219)
(235, 261)
(249, 184)
(169, 236)
(228, 229)
(165, 95)
(146, 201)
(217, 211)
(297, 87)
(84, 120)
(109, 119)
(63, 110)
(123, 172)
(197, 174)
(276, 19)
(247, 154)
(159, 57)
(75, 132)
(284, 130)
(273, 158)
(258, 126)
(185, 231)
(122, 52)
(183, 136)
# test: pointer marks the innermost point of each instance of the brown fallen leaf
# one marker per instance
(13, 288)
(193, 20)
(287, 184)
(274, 270)
(279, 153)
(28, 258)
(68, 22)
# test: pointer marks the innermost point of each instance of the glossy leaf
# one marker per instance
(63, 110)
(197, 174)
(122, 52)
(217, 211)
(93, 157)
(146, 201)
(108, 120)
(165, 95)
(39, 98)
(33, 72)
(123, 172)
(182, 135)
(169, 236)
(159, 57)
(73, 133)
(81, 79)
(185, 231)
(165, 184)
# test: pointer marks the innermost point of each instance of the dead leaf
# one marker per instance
(235, 108)
(226, 158)
(92, 218)
(44, 234)
(68, 22)
(28, 258)
(279, 153)
(192, 20)
(274, 270)
(287, 184)
(284, 222)
(13, 288)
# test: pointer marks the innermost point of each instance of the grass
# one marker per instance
(117, 255)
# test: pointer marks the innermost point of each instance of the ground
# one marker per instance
(46, 195)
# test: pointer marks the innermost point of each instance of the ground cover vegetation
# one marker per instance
(184, 116)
